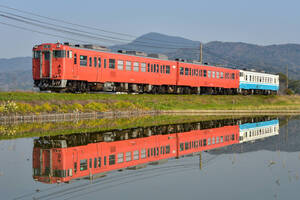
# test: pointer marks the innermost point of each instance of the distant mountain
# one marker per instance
(15, 73)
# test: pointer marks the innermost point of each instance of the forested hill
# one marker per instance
(15, 73)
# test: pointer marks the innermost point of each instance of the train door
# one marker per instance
(99, 69)
(45, 64)
(75, 161)
(75, 66)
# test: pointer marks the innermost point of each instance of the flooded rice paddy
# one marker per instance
(232, 158)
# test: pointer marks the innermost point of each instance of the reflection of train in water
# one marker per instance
(63, 158)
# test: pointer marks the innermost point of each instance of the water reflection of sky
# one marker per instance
(265, 169)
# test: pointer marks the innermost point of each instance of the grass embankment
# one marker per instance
(37, 103)
(22, 130)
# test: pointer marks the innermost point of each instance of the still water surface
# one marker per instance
(251, 158)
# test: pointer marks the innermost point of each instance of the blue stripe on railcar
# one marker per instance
(257, 86)
(258, 124)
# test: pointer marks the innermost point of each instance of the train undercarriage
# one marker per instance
(74, 86)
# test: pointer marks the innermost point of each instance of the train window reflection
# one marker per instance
(83, 165)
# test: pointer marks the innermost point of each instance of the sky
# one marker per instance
(261, 22)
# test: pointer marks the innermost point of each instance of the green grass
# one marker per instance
(36, 103)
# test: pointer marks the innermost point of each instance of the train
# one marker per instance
(86, 68)
(58, 159)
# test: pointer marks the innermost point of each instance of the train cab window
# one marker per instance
(120, 157)
(120, 64)
(218, 74)
(112, 159)
(143, 67)
(168, 69)
(99, 62)
(95, 163)
(95, 62)
(143, 153)
(83, 60)
(128, 66)
(104, 63)
(112, 63)
(181, 71)
(136, 66)
(186, 71)
(136, 155)
(90, 61)
(99, 161)
(59, 53)
(83, 165)
(213, 74)
(128, 156)
(75, 59)
(208, 74)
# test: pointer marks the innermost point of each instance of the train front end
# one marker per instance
(48, 66)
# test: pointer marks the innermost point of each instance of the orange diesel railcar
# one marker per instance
(82, 68)
(54, 165)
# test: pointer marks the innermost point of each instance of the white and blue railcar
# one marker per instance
(254, 131)
(252, 82)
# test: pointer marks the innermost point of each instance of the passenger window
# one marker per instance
(152, 68)
(128, 65)
(148, 67)
(128, 156)
(91, 163)
(95, 62)
(136, 66)
(99, 162)
(204, 73)
(186, 70)
(213, 74)
(99, 62)
(95, 163)
(83, 165)
(83, 60)
(90, 61)
(157, 68)
(143, 67)
(112, 63)
(112, 159)
(120, 157)
(104, 63)
(167, 69)
(136, 155)
(143, 153)
(209, 74)
(222, 75)
(217, 74)
(120, 64)
(181, 71)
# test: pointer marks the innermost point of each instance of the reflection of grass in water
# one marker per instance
(60, 128)
(28, 102)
